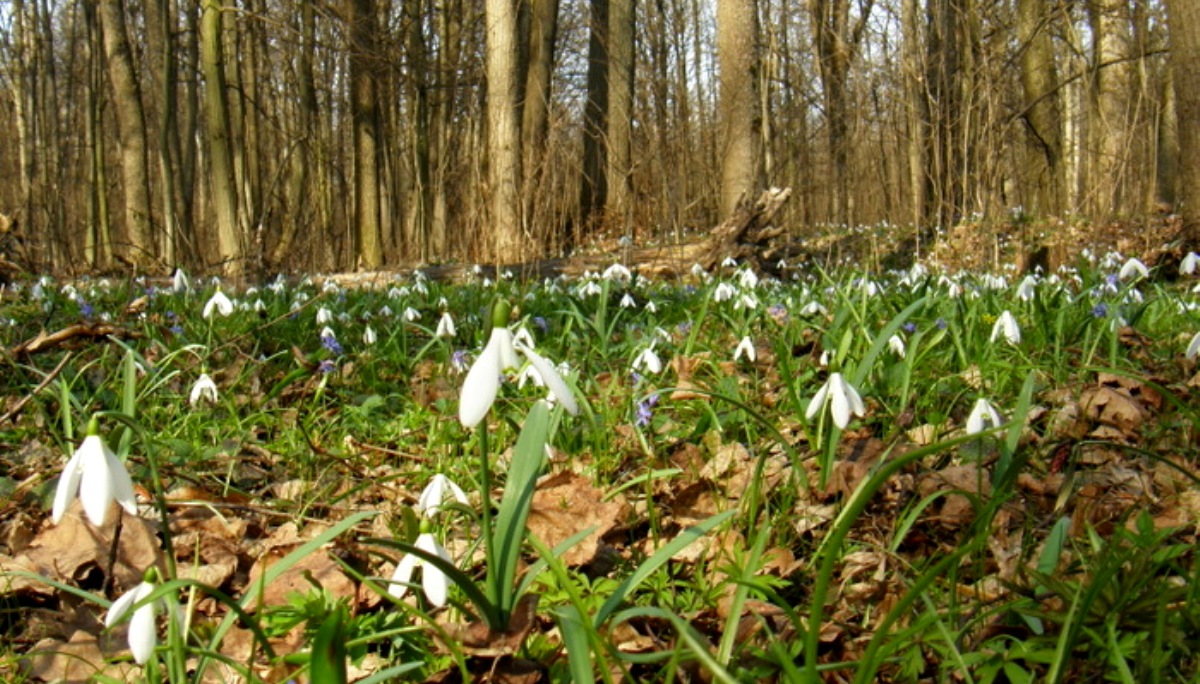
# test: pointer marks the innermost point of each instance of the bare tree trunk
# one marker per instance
(137, 249)
(160, 29)
(737, 48)
(1112, 90)
(504, 131)
(230, 245)
(535, 105)
(916, 116)
(593, 182)
(365, 110)
(618, 205)
(1043, 117)
(1184, 18)
(97, 237)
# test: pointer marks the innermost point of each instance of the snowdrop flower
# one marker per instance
(433, 581)
(627, 301)
(1193, 347)
(723, 292)
(842, 397)
(500, 354)
(204, 389)
(411, 315)
(143, 630)
(617, 272)
(648, 360)
(324, 316)
(745, 348)
(369, 338)
(1006, 325)
(698, 271)
(746, 301)
(436, 493)
(650, 307)
(1189, 263)
(179, 281)
(219, 304)
(591, 288)
(1133, 267)
(98, 478)
(748, 279)
(813, 308)
(729, 262)
(1027, 289)
(983, 417)
(896, 344)
(445, 326)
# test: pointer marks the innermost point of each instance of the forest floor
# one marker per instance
(719, 509)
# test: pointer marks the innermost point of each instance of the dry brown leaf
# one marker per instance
(76, 661)
(565, 504)
(957, 509)
(1113, 407)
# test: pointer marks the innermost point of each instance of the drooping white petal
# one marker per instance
(219, 304)
(558, 386)
(203, 389)
(122, 605)
(1189, 263)
(745, 348)
(68, 486)
(983, 416)
(502, 339)
(433, 581)
(435, 492)
(648, 360)
(818, 401)
(401, 576)
(1194, 346)
(96, 489)
(856, 403)
(143, 632)
(121, 485)
(839, 403)
(1133, 267)
(480, 388)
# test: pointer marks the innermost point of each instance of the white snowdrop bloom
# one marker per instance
(385, 311)
(97, 477)
(143, 625)
(813, 308)
(1133, 268)
(1193, 347)
(781, 265)
(180, 282)
(394, 292)
(1189, 263)
(522, 336)
(529, 374)
(204, 389)
(842, 398)
(896, 345)
(748, 279)
(259, 305)
(434, 582)
(983, 417)
(445, 326)
(662, 334)
(369, 338)
(650, 307)
(745, 348)
(1007, 326)
(723, 292)
(411, 315)
(648, 361)
(217, 304)
(1026, 290)
(627, 301)
(439, 489)
(729, 262)
(591, 289)
(823, 359)
(617, 272)
(483, 379)
(327, 333)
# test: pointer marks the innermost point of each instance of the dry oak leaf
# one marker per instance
(76, 661)
(1115, 407)
(317, 567)
(566, 503)
(65, 551)
(957, 509)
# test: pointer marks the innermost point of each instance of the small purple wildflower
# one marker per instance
(85, 309)
(645, 410)
(910, 327)
(942, 324)
(327, 366)
(176, 329)
(331, 343)
(1100, 310)
(458, 360)
(684, 327)
(542, 324)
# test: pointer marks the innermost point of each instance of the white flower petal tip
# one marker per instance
(204, 389)
(745, 348)
(435, 494)
(434, 582)
(843, 399)
(143, 627)
(217, 304)
(1006, 326)
(1193, 347)
(1133, 268)
(97, 477)
(983, 417)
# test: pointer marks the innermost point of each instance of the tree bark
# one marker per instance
(365, 112)
(230, 247)
(504, 132)
(1043, 116)
(137, 249)
(737, 48)
(1184, 18)
(618, 204)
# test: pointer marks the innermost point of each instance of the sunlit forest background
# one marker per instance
(252, 136)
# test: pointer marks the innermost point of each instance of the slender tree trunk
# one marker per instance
(230, 245)
(618, 204)
(1184, 18)
(737, 46)
(365, 107)
(504, 131)
(535, 105)
(137, 249)
(299, 186)
(1043, 117)
(916, 116)
(1112, 89)
(97, 237)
